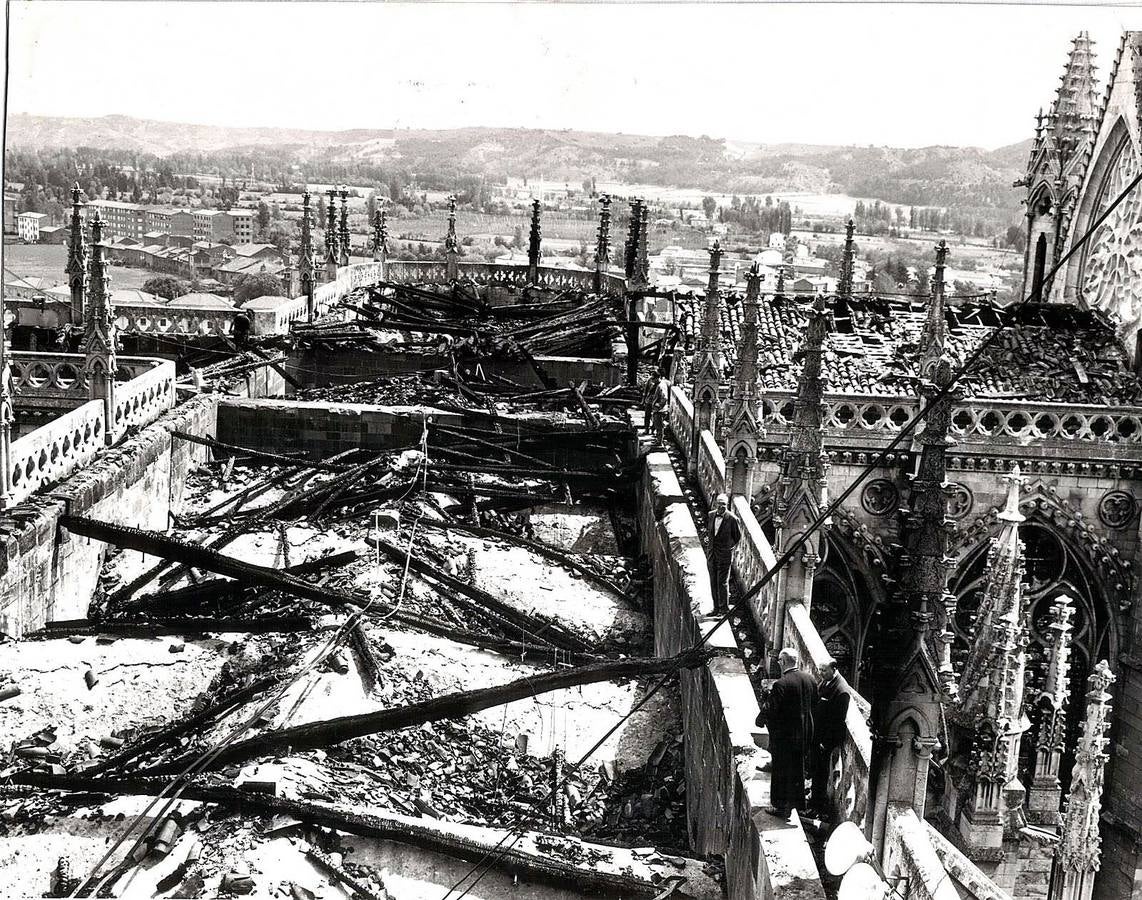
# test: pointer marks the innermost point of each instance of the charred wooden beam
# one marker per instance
(538, 627)
(164, 736)
(314, 735)
(547, 868)
(275, 458)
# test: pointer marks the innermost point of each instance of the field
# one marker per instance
(48, 261)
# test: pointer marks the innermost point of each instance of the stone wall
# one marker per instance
(47, 574)
(726, 790)
(321, 430)
(319, 368)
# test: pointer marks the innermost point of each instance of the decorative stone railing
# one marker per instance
(144, 398)
(54, 450)
(173, 321)
(982, 420)
(348, 279)
(681, 414)
(66, 443)
(58, 380)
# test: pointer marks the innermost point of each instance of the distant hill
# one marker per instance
(970, 179)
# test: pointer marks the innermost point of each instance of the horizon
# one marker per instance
(865, 76)
(410, 128)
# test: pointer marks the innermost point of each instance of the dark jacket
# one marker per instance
(728, 535)
(791, 702)
(829, 714)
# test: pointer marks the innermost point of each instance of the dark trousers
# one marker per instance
(819, 799)
(720, 561)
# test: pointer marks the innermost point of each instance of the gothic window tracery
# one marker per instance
(1112, 270)
(841, 606)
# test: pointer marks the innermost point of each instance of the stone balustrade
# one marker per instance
(57, 380)
(68, 442)
(54, 450)
(144, 398)
(172, 320)
(1010, 421)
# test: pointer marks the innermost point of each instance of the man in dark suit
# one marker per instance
(790, 720)
(725, 532)
(833, 696)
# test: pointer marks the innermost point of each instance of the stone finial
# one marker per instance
(1080, 849)
(780, 289)
(845, 282)
(307, 264)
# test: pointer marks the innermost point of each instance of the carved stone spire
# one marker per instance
(76, 259)
(845, 282)
(709, 360)
(631, 247)
(1080, 850)
(451, 244)
(343, 241)
(603, 241)
(332, 251)
(307, 263)
(780, 289)
(801, 492)
(380, 235)
(934, 335)
(534, 242)
(990, 703)
(641, 259)
(1057, 166)
(1046, 791)
(100, 338)
(742, 415)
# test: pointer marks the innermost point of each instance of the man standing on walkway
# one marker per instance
(790, 721)
(833, 696)
(725, 532)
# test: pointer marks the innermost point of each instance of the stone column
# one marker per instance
(1080, 851)
(100, 338)
(534, 240)
(603, 242)
(451, 245)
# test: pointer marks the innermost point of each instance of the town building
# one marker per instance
(28, 226)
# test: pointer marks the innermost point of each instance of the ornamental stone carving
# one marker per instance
(1117, 509)
(960, 500)
(880, 497)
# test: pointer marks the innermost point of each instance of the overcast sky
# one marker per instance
(895, 74)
